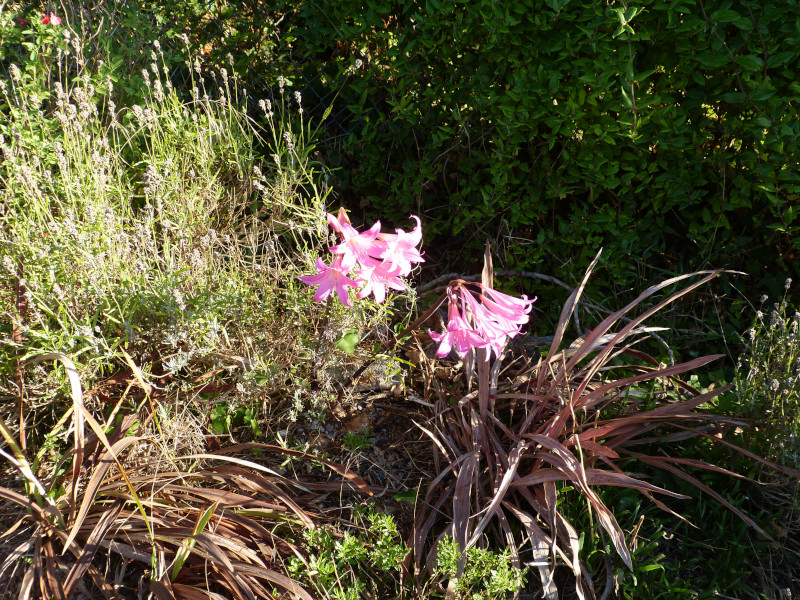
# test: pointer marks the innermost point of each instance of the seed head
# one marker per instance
(158, 92)
(8, 263)
(287, 137)
(178, 297)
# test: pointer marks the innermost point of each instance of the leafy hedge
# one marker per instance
(669, 129)
(666, 131)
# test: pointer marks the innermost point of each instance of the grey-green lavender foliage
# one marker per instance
(153, 223)
(767, 385)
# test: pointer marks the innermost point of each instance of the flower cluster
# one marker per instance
(378, 260)
(480, 318)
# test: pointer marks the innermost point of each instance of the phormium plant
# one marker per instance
(580, 415)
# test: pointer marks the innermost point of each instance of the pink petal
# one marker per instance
(331, 279)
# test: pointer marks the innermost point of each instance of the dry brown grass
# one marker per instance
(220, 527)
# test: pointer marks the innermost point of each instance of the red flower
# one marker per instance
(23, 22)
(51, 18)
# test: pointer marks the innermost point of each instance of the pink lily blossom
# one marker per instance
(336, 221)
(401, 248)
(496, 317)
(493, 328)
(484, 310)
(458, 334)
(358, 247)
(379, 259)
(331, 280)
(51, 19)
(378, 276)
(505, 301)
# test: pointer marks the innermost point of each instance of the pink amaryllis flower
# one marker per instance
(401, 247)
(495, 316)
(380, 260)
(51, 19)
(358, 247)
(336, 221)
(378, 276)
(331, 279)
(459, 335)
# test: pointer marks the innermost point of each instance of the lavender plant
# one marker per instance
(155, 226)
(766, 382)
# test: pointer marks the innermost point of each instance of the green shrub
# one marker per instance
(486, 575)
(667, 131)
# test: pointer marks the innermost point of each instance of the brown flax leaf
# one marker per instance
(424, 521)
(513, 463)
(90, 548)
(273, 577)
(52, 573)
(563, 321)
(108, 458)
(335, 467)
(574, 544)
(578, 476)
(162, 589)
(600, 360)
(540, 544)
(189, 592)
(663, 464)
(598, 393)
(461, 500)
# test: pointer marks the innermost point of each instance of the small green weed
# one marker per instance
(223, 417)
(361, 562)
(357, 441)
(487, 574)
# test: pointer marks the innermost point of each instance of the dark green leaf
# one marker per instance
(761, 95)
(725, 16)
(714, 60)
(750, 61)
(781, 58)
